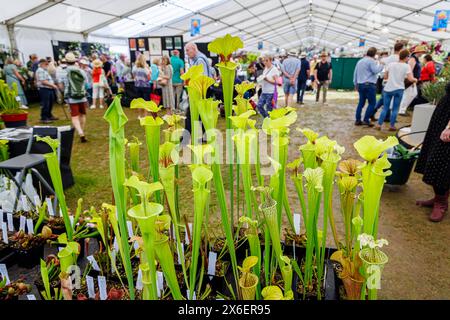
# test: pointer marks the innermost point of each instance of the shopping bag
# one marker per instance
(184, 104)
(275, 98)
(408, 96)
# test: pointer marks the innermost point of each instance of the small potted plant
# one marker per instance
(402, 161)
(13, 290)
(10, 106)
(29, 248)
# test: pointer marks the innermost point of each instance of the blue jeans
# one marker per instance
(301, 88)
(367, 92)
(47, 96)
(265, 100)
(397, 95)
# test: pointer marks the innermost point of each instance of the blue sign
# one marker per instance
(260, 45)
(195, 27)
(362, 42)
(441, 18)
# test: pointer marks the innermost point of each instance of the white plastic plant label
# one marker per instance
(5, 233)
(160, 280)
(186, 234)
(113, 259)
(297, 223)
(102, 287)
(188, 294)
(4, 273)
(130, 228)
(31, 297)
(37, 201)
(90, 287)
(25, 205)
(212, 259)
(9, 217)
(60, 212)
(71, 220)
(179, 254)
(139, 284)
(50, 207)
(93, 263)
(23, 221)
(30, 226)
(116, 245)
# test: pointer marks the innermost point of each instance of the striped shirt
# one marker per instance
(41, 76)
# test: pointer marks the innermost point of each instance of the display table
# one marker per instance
(18, 141)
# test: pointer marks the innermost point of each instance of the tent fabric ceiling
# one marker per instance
(277, 23)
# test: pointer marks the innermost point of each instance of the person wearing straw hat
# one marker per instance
(99, 83)
(75, 94)
(290, 69)
(416, 67)
(323, 75)
(303, 77)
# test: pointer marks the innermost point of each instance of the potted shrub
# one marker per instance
(11, 113)
(402, 161)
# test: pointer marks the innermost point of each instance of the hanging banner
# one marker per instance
(441, 18)
(362, 42)
(260, 45)
(195, 27)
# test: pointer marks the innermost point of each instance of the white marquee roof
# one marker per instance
(278, 23)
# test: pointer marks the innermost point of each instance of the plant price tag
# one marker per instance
(30, 226)
(9, 217)
(116, 245)
(60, 212)
(90, 286)
(93, 263)
(23, 221)
(212, 259)
(25, 205)
(188, 294)
(37, 201)
(130, 229)
(297, 222)
(50, 207)
(139, 284)
(31, 297)
(4, 273)
(102, 287)
(5, 233)
(71, 220)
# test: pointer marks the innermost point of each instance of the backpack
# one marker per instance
(77, 89)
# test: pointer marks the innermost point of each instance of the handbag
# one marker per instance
(155, 98)
(162, 82)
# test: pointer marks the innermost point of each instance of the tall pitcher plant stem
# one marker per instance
(224, 47)
(117, 120)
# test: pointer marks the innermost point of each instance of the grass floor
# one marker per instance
(417, 249)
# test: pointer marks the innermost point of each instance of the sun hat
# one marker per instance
(97, 63)
(421, 49)
(84, 62)
(292, 52)
(303, 55)
(70, 57)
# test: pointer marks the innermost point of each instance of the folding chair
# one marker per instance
(29, 161)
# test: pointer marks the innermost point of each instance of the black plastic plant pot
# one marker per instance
(401, 171)
(30, 258)
(330, 285)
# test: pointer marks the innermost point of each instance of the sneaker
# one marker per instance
(92, 107)
(358, 123)
(83, 139)
(24, 107)
(102, 107)
(369, 124)
(378, 127)
(393, 129)
(54, 118)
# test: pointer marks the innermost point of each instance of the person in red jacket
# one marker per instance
(429, 70)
